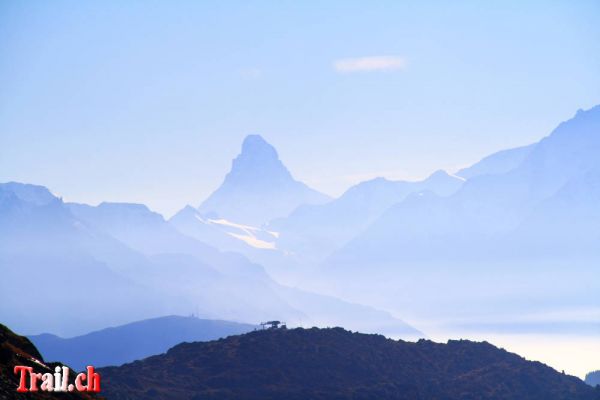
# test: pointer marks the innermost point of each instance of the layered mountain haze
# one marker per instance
(291, 245)
(315, 231)
(46, 253)
(224, 234)
(134, 341)
(258, 188)
(130, 264)
(506, 246)
(489, 207)
(497, 163)
(522, 240)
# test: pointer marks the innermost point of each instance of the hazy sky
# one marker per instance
(149, 101)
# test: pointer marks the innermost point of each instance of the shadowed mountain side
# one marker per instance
(241, 291)
(48, 254)
(18, 350)
(134, 341)
(147, 232)
(70, 258)
(337, 364)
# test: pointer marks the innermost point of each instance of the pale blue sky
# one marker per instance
(149, 101)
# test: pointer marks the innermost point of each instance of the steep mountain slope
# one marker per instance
(242, 291)
(66, 256)
(258, 188)
(134, 341)
(18, 350)
(235, 288)
(337, 364)
(33, 194)
(49, 254)
(497, 163)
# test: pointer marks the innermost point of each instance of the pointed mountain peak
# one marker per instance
(258, 166)
(258, 187)
(256, 146)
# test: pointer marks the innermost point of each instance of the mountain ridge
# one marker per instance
(133, 341)
(335, 363)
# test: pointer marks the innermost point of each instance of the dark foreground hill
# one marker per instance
(337, 364)
(18, 350)
(134, 341)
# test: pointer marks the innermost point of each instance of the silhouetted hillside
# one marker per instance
(18, 350)
(134, 341)
(337, 364)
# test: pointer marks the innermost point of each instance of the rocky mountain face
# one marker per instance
(337, 364)
(258, 188)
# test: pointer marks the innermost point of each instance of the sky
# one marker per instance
(149, 101)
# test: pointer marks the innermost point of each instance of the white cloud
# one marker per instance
(374, 63)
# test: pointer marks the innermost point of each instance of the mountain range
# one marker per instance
(304, 363)
(127, 263)
(521, 236)
(512, 236)
(134, 341)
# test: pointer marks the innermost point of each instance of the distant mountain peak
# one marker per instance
(258, 187)
(34, 194)
(256, 145)
(439, 174)
(257, 167)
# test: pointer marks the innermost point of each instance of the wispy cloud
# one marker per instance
(373, 63)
